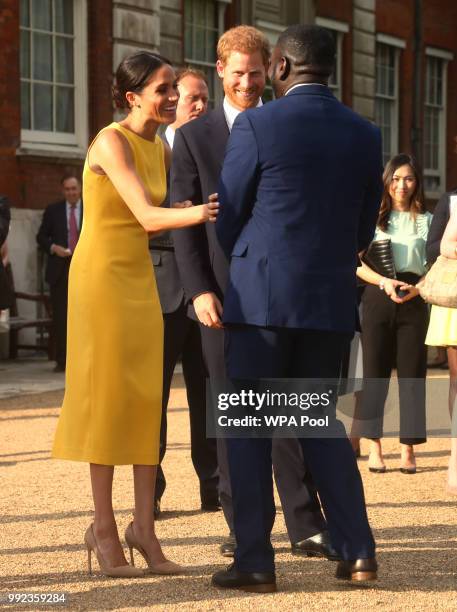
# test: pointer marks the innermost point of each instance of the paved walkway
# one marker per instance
(29, 375)
(45, 507)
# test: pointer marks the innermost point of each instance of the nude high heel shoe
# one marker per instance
(122, 571)
(164, 568)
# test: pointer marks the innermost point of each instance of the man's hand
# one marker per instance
(208, 309)
(60, 251)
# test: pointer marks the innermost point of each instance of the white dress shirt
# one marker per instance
(231, 113)
(170, 136)
(302, 85)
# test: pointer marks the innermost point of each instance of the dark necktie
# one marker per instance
(72, 229)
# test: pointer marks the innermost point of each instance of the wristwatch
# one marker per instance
(382, 284)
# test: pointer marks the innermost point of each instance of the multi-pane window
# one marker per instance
(386, 100)
(49, 72)
(434, 124)
(337, 29)
(334, 81)
(200, 38)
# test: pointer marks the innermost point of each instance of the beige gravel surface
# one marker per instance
(46, 506)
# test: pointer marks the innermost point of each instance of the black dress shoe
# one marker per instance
(157, 510)
(360, 570)
(318, 545)
(253, 582)
(227, 548)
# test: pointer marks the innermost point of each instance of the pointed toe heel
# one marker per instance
(121, 571)
(410, 470)
(164, 568)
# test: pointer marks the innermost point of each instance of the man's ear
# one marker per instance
(284, 68)
(220, 68)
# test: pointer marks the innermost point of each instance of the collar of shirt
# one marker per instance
(302, 85)
(77, 205)
(170, 136)
(231, 113)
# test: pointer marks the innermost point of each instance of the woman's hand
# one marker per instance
(389, 286)
(412, 292)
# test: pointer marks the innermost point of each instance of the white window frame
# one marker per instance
(221, 8)
(341, 28)
(440, 173)
(397, 44)
(47, 142)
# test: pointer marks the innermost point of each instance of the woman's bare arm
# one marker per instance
(111, 155)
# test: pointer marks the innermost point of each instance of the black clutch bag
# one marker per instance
(380, 258)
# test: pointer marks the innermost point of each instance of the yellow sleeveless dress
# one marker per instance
(112, 406)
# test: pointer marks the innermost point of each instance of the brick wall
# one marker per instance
(9, 100)
(100, 54)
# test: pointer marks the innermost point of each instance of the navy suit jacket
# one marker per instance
(300, 192)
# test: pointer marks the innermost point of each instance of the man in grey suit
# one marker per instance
(181, 334)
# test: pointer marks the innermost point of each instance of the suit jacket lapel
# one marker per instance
(63, 223)
(218, 133)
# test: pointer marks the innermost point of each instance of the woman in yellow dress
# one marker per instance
(442, 331)
(112, 406)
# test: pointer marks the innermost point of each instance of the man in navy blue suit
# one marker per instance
(300, 192)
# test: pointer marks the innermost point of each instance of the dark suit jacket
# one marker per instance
(5, 288)
(166, 271)
(5, 218)
(198, 153)
(300, 192)
(54, 230)
(441, 216)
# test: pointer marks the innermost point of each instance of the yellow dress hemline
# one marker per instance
(88, 456)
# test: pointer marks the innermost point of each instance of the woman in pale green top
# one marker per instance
(395, 318)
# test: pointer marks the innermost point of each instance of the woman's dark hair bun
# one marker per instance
(134, 73)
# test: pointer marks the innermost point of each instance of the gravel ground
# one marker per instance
(45, 507)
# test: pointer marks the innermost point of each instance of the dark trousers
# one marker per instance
(182, 337)
(299, 501)
(393, 335)
(59, 300)
(255, 352)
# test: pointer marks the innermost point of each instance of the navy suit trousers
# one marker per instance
(256, 352)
